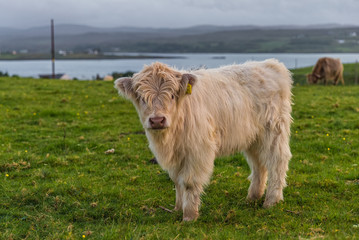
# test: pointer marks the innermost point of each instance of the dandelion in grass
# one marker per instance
(312, 116)
(128, 139)
(327, 134)
(25, 151)
(34, 113)
(328, 149)
(343, 139)
(83, 236)
(7, 175)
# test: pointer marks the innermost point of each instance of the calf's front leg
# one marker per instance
(190, 180)
(192, 184)
(179, 196)
(191, 201)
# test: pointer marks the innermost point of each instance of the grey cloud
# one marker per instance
(176, 13)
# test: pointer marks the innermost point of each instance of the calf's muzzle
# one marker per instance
(157, 122)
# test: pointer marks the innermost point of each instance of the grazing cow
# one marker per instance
(327, 69)
(190, 118)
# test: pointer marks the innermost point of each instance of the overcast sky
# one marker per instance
(177, 13)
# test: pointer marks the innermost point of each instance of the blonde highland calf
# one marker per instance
(190, 118)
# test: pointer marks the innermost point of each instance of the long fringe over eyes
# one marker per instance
(157, 82)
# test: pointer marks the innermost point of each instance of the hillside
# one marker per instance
(233, 39)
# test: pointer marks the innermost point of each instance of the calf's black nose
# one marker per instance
(157, 122)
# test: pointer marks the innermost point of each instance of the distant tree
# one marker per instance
(116, 75)
(4, 74)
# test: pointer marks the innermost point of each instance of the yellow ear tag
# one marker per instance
(189, 88)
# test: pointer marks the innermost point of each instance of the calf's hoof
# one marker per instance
(190, 217)
(254, 197)
(271, 202)
(273, 198)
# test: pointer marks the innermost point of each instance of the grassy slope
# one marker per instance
(197, 39)
(249, 41)
(57, 183)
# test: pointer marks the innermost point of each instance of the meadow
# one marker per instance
(57, 182)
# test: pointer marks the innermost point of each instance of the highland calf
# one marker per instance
(190, 118)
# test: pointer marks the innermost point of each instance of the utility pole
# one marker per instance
(356, 72)
(52, 48)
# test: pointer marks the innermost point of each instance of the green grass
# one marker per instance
(58, 183)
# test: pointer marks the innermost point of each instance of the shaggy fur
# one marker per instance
(327, 69)
(233, 108)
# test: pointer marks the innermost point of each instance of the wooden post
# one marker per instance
(356, 72)
(52, 48)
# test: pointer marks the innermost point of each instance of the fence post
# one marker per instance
(356, 72)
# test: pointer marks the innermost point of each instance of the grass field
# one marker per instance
(58, 183)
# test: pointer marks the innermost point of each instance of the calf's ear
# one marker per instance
(187, 82)
(124, 87)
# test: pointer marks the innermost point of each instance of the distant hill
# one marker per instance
(205, 38)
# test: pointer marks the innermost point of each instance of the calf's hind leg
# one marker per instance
(258, 175)
(277, 161)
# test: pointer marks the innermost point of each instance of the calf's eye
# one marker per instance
(173, 97)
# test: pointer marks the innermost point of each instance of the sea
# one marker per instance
(89, 69)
